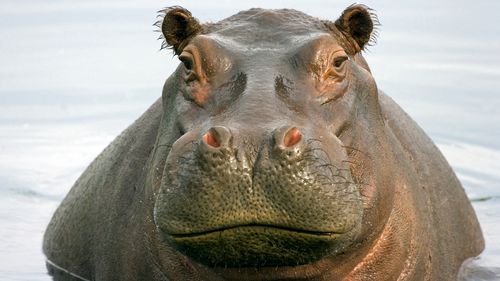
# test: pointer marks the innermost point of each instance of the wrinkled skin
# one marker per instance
(272, 155)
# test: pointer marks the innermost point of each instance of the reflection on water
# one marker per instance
(74, 74)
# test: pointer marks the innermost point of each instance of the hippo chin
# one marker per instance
(271, 155)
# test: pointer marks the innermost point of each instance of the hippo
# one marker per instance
(271, 155)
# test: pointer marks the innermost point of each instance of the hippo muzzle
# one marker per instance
(234, 197)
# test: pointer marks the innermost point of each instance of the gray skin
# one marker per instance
(272, 155)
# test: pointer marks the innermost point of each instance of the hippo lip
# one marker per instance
(258, 245)
(276, 227)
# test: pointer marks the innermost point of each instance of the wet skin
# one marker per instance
(272, 155)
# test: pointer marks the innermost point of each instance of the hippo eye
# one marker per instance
(189, 67)
(339, 61)
(187, 60)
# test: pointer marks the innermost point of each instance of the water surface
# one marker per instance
(74, 74)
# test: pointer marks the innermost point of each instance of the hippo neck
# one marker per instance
(395, 254)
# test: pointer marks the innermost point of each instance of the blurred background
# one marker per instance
(74, 74)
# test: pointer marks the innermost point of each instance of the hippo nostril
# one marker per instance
(217, 137)
(211, 139)
(292, 137)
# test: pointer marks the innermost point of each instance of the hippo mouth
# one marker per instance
(257, 226)
(257, 245)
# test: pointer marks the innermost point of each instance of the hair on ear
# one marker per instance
(177, 27)
(359, 24)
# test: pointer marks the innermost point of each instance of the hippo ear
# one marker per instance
(177, 27)
(358, 22)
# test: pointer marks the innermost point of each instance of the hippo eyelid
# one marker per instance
(187, 61)
(191, 68)
(338, 61)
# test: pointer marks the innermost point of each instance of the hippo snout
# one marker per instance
(284, 184)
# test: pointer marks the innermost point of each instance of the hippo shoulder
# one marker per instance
(86, 220)
(439, 198)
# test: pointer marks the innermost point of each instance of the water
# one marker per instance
(74, 74)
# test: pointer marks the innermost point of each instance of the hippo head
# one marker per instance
(271, 139)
